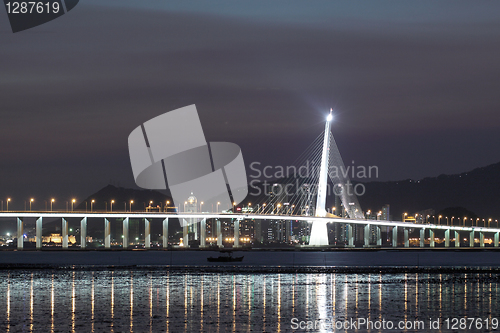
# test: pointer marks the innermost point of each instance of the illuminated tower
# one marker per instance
(319, 230)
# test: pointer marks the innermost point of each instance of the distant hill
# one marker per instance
(477, 190)
(122, 197)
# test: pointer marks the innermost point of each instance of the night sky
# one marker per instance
(415, 86)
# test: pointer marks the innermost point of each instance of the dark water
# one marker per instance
(162, 301)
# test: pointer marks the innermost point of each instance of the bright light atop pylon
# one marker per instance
(329, 118)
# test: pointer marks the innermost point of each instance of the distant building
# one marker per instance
(386, 216)
(57, 239)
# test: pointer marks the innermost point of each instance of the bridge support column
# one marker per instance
(185, 235)
(407, 241)
(379, 236)
(432, 241)
(457, 239)
(395, 236)
(495, 239)
(125, 233)
(64, 232)
(350, 236)
(39, 233)
(447, 238)
(107, 234)
(20, 234)
(471, 239)
(147, 234)
(237, 233)
(367, 235)
(165, 233)
(219, 233)
(203, 233)
(83, 233)
(422, 237)
(481, 239)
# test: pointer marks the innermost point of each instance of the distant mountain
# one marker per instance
(477, 190)
(122, 197)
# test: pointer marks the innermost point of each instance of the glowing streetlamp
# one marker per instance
(112, 202)
(8, 200)
(131, 202)
(51, 203)
(185, 203)
(72, 204)
(218, 203)
(201, 206)
(439, 219)
(92, 205)
(31, 201)
(263, 207)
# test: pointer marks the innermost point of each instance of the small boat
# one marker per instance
(225, 258)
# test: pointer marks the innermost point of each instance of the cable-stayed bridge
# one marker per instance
(306, 204)
(452, 233)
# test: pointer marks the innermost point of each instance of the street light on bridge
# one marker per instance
(51, 203)
(112, 202)
(8, 200)
(72, 203)
(131, 202)
(92, 205)
(31, 201)
(218, 203)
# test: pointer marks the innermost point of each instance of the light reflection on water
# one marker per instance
(153, 301)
